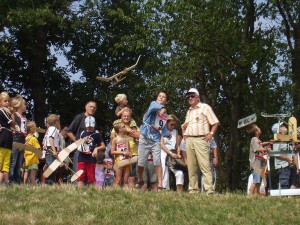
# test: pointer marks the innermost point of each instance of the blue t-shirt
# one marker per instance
(96, 140)
(154, 122)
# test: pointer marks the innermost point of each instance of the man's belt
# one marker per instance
(196, 136)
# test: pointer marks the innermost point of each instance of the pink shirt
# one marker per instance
(199, 120)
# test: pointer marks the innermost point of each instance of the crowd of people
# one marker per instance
(140, 157)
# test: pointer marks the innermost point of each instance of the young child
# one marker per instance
(87, 155)
(6, 136)
(257, 161)
(20, 132)
(154, 126)
(31, 160)
(121, 100)
(100, 169)
(51, 143)
(121, 149)
(109, 171)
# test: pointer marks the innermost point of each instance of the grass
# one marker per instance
(68, 205)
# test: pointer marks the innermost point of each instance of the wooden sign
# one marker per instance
(247, 120)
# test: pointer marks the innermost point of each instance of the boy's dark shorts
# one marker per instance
(287, 177)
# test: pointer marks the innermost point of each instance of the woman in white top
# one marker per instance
(171, 146)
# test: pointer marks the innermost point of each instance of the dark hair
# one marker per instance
(166, 93)
(100, 157)
(91, 101)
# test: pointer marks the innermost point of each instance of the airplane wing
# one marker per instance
(118, 75)
(104, 78)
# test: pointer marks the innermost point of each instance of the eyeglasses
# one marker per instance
(172, 124)
(191, 96)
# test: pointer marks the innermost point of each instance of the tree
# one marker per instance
(233, 72)
(290, 14)
(29, 30)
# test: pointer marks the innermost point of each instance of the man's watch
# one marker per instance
(212, 133)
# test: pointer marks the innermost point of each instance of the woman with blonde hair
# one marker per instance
(17, 156)
(171, 146)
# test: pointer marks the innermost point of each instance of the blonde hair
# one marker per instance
(17, 101)
(4, 95)
(120, 97)
(118, 126)
(172, 117)
(52, 119)
(30, 125)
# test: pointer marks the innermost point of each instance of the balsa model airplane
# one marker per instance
(61, 158)
(118, 76)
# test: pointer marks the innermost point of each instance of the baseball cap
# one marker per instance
(90, 121)
(193, 91)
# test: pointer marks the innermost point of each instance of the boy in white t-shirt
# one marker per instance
(51, 143)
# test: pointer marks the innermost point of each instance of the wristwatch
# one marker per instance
(212, 133)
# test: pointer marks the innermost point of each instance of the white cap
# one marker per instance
(193, 91)
(90, 121)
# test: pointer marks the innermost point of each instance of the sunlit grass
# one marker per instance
(68, 205)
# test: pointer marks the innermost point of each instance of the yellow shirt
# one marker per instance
(30, 157)
(132, 142)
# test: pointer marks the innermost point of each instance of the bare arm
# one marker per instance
(51, 141)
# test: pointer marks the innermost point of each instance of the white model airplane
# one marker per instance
(118, 76)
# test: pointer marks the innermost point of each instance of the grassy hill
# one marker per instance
(68, 205)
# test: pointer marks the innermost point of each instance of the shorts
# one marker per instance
(145, 147)
(256, 178)
(149, 175)
(133, 172)
(32, 167)
(4, 159)
(108, 180)
(88, 172)
(287, 177)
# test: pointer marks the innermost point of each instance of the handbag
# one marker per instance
(177, 164)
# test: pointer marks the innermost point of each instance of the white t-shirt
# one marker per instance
(52, 132)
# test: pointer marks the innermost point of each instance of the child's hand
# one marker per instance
(127, 153)
(173, 155)
(55, 154)
(94, 154)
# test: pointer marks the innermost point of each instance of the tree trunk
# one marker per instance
(36, 62)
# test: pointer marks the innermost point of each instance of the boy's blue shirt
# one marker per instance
(149, 122)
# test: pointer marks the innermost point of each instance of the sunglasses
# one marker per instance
(191, 96)
(173, 124)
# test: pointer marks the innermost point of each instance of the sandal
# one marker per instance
(139, 184)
